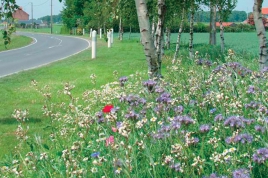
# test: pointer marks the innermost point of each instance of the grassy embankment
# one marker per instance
(125, 57)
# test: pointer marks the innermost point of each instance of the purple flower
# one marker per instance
(186, 120)
(237, 121)
(179, 109)
(259, 128)
(219, 117)
(214, 175)
(119, 125)
(241, 173)
(95, 155)
(252, 105)
(159, 89)
(204, 128)
(261, 155)
(251, 89)
(176, 167)
(150, 84)
(242, 138)
(123, 80)
(132, 115)
(164, 98)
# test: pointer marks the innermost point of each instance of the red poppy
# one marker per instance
(107, 108)
(110, 140)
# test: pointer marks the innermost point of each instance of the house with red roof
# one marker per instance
(264, 12)
(20, 14)
(225, 24)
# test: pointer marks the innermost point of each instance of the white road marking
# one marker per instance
(57, 44)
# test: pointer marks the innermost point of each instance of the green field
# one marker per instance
(125, 58)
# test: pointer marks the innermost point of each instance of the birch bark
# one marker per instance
(222, 36)
(212, 39)
(120, 29)
(263, 57)
(160, 32)
(179, 37)
(191, 46)
(147, 40)
(167, 38)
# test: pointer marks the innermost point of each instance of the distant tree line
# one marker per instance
(235, 16)
(55, 18)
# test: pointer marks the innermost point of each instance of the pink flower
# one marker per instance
(107, 108)
(110, 140)
(114, 129)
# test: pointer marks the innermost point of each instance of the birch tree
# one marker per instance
(147, 40)
(183, 11)
(191, 45)
(263, 57)
(225, 8)
(213, 14)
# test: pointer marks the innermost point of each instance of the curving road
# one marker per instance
(45, 48)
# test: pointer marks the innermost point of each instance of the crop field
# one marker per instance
(206, 117)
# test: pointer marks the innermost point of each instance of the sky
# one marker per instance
(42, 8)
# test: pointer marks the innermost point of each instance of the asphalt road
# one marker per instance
(44, 49)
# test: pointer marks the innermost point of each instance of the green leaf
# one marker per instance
(46, 146)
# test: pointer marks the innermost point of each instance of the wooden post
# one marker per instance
(94, 44)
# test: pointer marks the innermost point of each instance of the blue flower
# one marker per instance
(95, 155)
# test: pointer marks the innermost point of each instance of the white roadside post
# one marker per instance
(90, 34)
(112, 35)
(94, 44)
(83, 31)
(109, 39)
(100, 33)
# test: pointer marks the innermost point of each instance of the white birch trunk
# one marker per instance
(222, 36)
(160, 32)
(130, 30)
(263, 57)
(153, 32)
(212, 39)
(120, 30)
(191, 46)
(179, 37)
(167, 38)
(147, 40)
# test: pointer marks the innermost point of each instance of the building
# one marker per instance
(20, 14)
(225, 24)
(264, 12)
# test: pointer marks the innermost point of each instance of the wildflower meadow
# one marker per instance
(203, 119)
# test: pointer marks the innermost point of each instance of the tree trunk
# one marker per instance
(167, 38)
(222, 36)
(147, 40)
(191, 46)
(213, 13)
(160, 32)
(263, 57)
(179, 37)
(120, 30)
(153, 32)
(130, 30)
